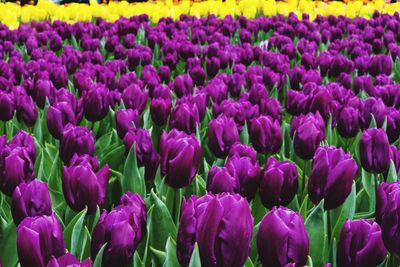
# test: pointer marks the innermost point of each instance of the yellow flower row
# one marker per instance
(12, 14)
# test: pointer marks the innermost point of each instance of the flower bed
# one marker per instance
(200, 142)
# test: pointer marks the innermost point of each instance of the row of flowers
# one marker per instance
(13, 14)
(201, 142)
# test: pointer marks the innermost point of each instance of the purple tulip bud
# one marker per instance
(146, 154)
(135, 98)
(122, 229)
(331, 178)
(68, 260)
(213, 65)
(308, 132)
(243, 150)
(55, 42)
(360, 244)
(183, 85)
(265, 134)
(180, 158)
(222, 134)
(221, 180)
(385, 195)
(209, 219)
(380, 64)
(161, 104)
(348, 123)
(58, 116)
(44, 89)
(84, 186)
(15, 167)
(296, 102)
(26, 141)
(246, 170)
(96, 103)
(165, 74)
(7, 106)
(198, 75)
(26, 110)
(77, 140)
(374, 151)
(282, 238)
(372, 106)
(217, 90)
(39, 238)
(185, 117)
(30, 200)
(278, 183)
(126, 119)
(393, 125)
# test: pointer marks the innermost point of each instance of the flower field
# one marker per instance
(260, 139)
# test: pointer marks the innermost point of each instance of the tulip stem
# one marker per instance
(328, 221)
(174, 205)
(303, 184)
(5, 128)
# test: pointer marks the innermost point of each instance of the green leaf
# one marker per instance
(74, 230)
(98, 262)
(171, 260)
(195, 259)
(8, 245)
(132, 180)
(113, 158)
(316, 228)
(253, 243)
(162, 226)
(160, 255)
(244, 135)
(346, 211)
(309, 262)
(248, 263)
(257, 208)
(392, 174)
(303, 208)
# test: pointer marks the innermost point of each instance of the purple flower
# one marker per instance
(84, 185)
(38, 239)
(380, 64)
(24, 140)
(183, 85)
(58, 116)
(348, 122)
(96, 103)
(126, 119)
(222, 134)
(331, 178)
(122, 229)
(185, 117)
(212, 222)
(279, 183)
(265, 134)
(282, 238)
(7, 106)
(180, 158)
(374, 151)
(146, 153)
(77, 140)
(135, 98)
(221, 180)
(68, 260)
(360, 244)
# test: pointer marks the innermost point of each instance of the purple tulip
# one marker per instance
(213, 65)
(58, 116)
(210, 219)
(380, 64)
(180, 158)
(242, 150)
(374, 151)
(363, 83)
(135, 98)
(308, 132)
(77, 140)
(84, 185)
(221, 180)
(146, 153)
(360, 244)
(126, 119)
(7, 106)
(68, 260)
(222, 134)
(122, 229)
(265, 134)
(183, 85)
(161, 105)
(39, 238)
(16, 167)
(198, 75)
(279, 183)
(96, 103)
(26, 141)
(185, 117)
(44, 89)
(348, 123)
(331, 178)
(282, 238)
(246, 170)
(30, 200)
(165, 74)
(26, 110)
